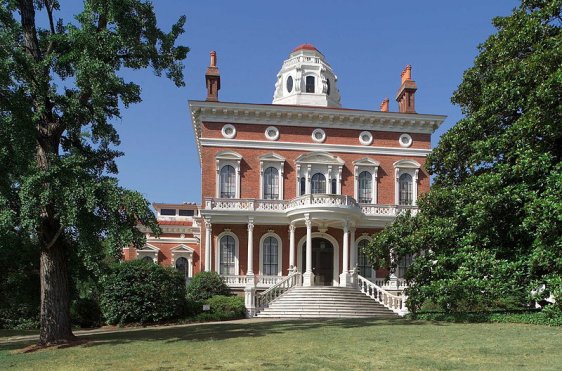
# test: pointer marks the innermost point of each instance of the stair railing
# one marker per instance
(395, 303)
(272, 293)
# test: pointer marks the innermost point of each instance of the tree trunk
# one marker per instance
(55, 305)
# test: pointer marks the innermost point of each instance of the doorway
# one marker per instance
(322, 261)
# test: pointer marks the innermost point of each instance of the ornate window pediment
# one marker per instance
(406, 182)
(323, 158)
(314, 164)
(148, 251)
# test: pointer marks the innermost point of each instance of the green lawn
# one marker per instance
(334, 344)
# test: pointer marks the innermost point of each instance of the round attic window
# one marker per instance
(365, 138)
(228, 131)
(272, 133)
(318, 135)
(405, 140)
(289, 84)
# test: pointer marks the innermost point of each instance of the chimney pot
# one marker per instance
(213, 79)
(213, 59)
(405, 95)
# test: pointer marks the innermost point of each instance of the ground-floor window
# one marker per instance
(403, 265)
(270, 256)
(363, 265)
(182, 265)
(227, 255)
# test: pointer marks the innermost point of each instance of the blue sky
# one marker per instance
(367, 43)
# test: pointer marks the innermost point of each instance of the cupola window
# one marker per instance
(328, 86)
(310, 84)
(289, 84)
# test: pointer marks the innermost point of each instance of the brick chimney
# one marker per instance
(384, 105)
(213, 79)
(405, 95)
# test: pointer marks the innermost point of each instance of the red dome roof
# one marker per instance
(305, 47)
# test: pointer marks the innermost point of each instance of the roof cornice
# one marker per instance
(308, 116)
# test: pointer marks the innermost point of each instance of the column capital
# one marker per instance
(250, 224)
(292, 228)
(208, 223)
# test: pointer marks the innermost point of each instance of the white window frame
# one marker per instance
(406, 167)
(316, 85)
(236, 252)
(371, 166)
(356, 247)
(150, 251)
(277, 162)
(311, 163)
(223, 159)
(183, 251)
(279, 252)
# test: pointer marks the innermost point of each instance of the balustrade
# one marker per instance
(266, 297)
(395, 303)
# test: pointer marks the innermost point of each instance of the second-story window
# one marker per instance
(227, 182)
(303, 186)
(318, 183)
(271, 184)
(334, 186)
(365, 187)
(310, 84)
(405, 188)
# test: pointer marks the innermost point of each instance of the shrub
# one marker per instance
(223, 308)
(205, 285)
(142, 292)
(86, 313)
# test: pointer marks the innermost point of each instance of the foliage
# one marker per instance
(223, 308)
(61, 90)
(86, 313)
(490, 227)
(550, 317)
(142, 292)
(204, 285)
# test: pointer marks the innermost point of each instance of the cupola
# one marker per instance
(306, 79)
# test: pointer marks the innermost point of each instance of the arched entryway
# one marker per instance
(324, 261)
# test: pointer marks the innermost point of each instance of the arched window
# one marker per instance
(271, 184)
(365, 187)
(334, 186)
(182, 265)
(303, 186)
(405, 189)
(270, 256)
(227, 255)
(148, 259)
(228, 182)
(318, 183)
(363, 265)
(310, 84)
(403, 265)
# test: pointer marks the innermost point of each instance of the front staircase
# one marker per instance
(324, 302)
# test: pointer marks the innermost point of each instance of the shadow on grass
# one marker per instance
(226, 330)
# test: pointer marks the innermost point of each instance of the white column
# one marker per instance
(344, 276)
(353, 251)
(292, 246)
(208, 244)
(308, 276)
(415, 188)
(250, 270)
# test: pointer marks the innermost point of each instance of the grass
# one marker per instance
(305, 345)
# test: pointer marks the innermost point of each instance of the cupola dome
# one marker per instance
(306, 79)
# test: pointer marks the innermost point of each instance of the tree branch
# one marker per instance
(31, 42)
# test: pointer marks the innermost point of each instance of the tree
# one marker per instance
(60, 90)
(490, 229)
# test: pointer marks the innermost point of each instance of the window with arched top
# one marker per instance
(227, 182)
(270, 256)
(148, 259)
(363, 265)
(318, 183)
(271, 184)
(302, 186)
(334, 186)
(309, 84)
(365, 187)
(227, 252)
(405, 187)
(182, 265)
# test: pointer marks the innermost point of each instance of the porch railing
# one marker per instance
(401, 283)
(395, 303)
(266, 297)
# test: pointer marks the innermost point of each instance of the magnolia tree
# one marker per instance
(490, 230)
(60, 91)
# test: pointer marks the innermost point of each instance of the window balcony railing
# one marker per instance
(309, 200)
(261, 281)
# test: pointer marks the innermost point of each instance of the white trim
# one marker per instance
(150, 251)
(279, 252)
(223, 159)
(322, 135)
(371, 166)
(274, 136)
(313, 147)
(236, 252)
(277, 162)
(183, 251)
(225, 134)
(406, 167)
(368, 141)
(408, 142)
(336, 260)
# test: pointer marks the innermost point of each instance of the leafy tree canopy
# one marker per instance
(489, 231)
(60, 92)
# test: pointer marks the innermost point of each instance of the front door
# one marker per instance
(322, 261)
